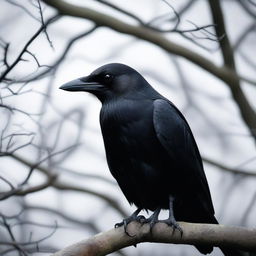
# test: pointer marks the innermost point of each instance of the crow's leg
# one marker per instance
(133, 217)
(171, 220)
(153, 219)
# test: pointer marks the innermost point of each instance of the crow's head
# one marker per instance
(108, 82)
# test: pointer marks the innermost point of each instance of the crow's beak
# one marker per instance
(82, 84)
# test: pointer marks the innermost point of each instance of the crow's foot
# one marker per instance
(171, 220)
(126, 221)
(133, 217)
(173, 223)
(152, 220)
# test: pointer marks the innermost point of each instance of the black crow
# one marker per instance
(150, 149)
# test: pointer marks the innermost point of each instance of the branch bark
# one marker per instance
(226, 73)
(203, 234)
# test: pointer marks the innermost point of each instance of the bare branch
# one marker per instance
(249, 209)
(119, 9)
(84, 224)
(203, 234)
(23, 8)
(69, 187)
(88, 175)
(141, 32)
(247, 8)
(7, 182)
(225, 73)
(235, 171)
(55, 65)
(15, 244)
(29, 243)
(226, 48)
(43, 23)
(36, 60)
(19, 57)
(246, 109)
(5, 61)
(244, 35)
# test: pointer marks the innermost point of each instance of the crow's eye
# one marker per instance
(107, 77)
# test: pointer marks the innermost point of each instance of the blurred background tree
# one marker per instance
(55, 187)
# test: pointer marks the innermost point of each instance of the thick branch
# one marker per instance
(203, 234)
(141, 32)
(224, 73)
(247, 112)
(225, 46)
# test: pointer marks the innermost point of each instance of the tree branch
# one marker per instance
(19, 57)
(203, 234)
(61, 185)
(225, 73)
(218, 19)
(234, 170)
(246, 110)
(141, 32)
(55, 65)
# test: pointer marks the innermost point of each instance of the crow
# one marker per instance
(150, 149)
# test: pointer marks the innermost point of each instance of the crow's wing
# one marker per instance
(174, 134)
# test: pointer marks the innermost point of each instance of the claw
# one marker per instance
(173, 223)
(117, 225)
(151, 225)
(152, 220)
(126, 221)
(141, 219)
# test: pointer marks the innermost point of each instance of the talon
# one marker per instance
(141, 219)
(172, 223)
(126, 221)
(152, 220)
(117, 225)
(151, 225)
(177, 226)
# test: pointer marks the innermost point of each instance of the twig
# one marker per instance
(6, 181)
(43, 24)
(36, 60)
(23, 8)
(63, 186)
(56, 64)
(247, 8)
(244, 35)
(85, 224)
(235, 171)
(15, 244)
(19, 57)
